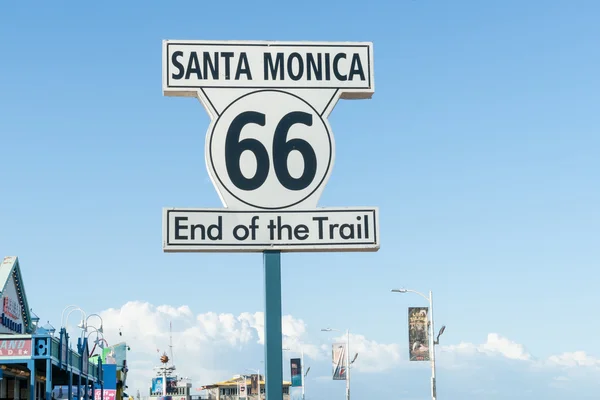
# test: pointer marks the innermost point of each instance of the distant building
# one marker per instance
(34, 363)
(179, 390)
(229, 390)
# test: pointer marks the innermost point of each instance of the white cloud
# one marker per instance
(211, 347)
(208, 347)
(574, 359)
(494, 345)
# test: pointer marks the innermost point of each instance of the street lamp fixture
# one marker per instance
(101, 329)
(437, 339)
(71, 309)
(62, 316)
(100, 340)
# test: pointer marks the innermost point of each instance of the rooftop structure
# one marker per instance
(230, 389)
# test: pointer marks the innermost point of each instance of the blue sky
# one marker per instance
(480, 146)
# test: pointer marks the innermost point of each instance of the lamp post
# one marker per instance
(81, 325)
(432, 342)
(70, 309)
(303, 373)
(101, 329)
(62, 316)
(348, 362)
(283, 350)
(99, 341)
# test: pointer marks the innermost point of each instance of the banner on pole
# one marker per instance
(242, 389)
(339, 361)
(296, 371)
(418, 333)
(254, 382)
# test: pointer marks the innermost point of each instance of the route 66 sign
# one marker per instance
(269, 148)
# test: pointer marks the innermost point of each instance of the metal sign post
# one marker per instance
(273, 335)
(269, 152)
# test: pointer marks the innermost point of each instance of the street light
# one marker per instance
(73, 308)
(432, 342)
(304, 372)
(99, 340)
(101, 330)
(62, 316)
(284, 360)
(348, 363)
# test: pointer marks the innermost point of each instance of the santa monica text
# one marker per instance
(240, 65)
(327, 229)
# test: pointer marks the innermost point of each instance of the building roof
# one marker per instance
(10, 269)
(235, 381)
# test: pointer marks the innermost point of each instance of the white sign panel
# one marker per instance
(269, 146)
(324, 229)
(190, 66)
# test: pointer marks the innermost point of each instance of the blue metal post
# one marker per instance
(70, 391)
(31, 367)
(48, 379)
(273, 344)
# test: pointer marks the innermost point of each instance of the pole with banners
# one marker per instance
(432, 348)
(348, 364)
(341, 360)
(421, 331)
(303, 374)
(341, 364)
(269, 151)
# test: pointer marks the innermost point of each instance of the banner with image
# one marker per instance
(157, 385)
(339, 361)
(254, 384)
(418, 333)
(296, 371)
(242, 389)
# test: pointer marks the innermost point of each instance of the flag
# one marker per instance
(254, 382)
(296, 371)
(418, 333)
(242, 389)
(339, 361)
